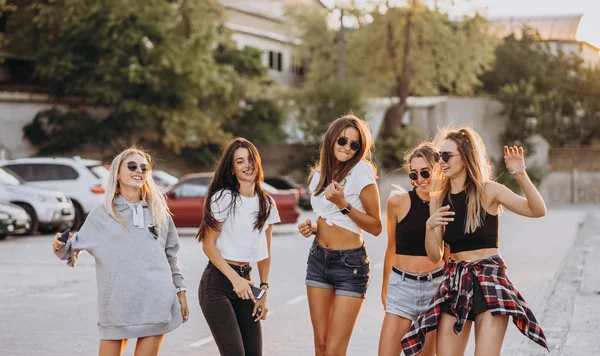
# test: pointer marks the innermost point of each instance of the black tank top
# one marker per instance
(485, 236)
(410, 231)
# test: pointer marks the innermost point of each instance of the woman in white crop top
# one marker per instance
(236, 230)
(346, 200)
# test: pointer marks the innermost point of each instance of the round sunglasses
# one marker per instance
(354, 145)
(445, 156)
(133, 166)
(414, 176)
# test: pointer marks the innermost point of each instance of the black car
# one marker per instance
(13, 220)
(284, 183)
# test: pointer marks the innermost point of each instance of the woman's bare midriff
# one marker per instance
(416, 264)
(237, 263)
(335, 237)
(475, 254)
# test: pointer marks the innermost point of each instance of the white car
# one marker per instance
(47, 209)
(82, 180)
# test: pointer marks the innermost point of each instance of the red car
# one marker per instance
(186, 200)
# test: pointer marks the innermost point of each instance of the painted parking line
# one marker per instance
(296, 300)
(202, 342)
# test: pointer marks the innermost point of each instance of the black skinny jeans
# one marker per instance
(229, 317)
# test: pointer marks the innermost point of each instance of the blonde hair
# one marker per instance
(150, 192)
(425, 150)
(479, 171)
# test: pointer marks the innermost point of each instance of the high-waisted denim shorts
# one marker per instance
(407, 297)
(345, 271)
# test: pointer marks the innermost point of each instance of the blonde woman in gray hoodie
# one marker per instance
(141, 293)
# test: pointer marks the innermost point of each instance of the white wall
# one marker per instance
(16, 111)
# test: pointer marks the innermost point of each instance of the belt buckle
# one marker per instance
(425, 278)
(243, 269)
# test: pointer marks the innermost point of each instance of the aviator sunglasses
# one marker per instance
(354, 145)
(414, 176)
(445, 156)
(133, 166)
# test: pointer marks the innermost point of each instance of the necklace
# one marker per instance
(421, 199)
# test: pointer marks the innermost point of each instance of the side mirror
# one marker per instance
(171, 194)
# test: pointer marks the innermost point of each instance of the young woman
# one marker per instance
(134, 242)
(476, 287)
(346, 200)
(236, 230)
(410, 279)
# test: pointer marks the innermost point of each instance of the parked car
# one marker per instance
(285, 183)
(82, 180)
(163, 179)
(13, 220)
(48, 210)
(186, 200)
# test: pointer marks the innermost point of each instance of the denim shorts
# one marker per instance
(407, 297)
(345, 271)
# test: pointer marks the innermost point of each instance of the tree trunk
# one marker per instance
(393, 116)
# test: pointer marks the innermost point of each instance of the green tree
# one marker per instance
(552, 94)
(149, 69)
(396, 51)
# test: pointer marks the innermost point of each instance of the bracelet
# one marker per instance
(180, 289)
(264, 284)
(520, 170)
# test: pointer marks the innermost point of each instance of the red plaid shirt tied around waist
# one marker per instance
(457, 289)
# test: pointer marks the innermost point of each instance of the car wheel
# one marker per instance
(33, 220)
(79, 216)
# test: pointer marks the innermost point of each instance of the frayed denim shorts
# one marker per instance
(345, 271)
(407, 297)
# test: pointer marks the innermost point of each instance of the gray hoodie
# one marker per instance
(137, 272)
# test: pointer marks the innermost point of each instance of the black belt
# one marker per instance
(242, 270)
(419, 277)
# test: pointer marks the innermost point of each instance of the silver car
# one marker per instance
(13, 220)
(48, 210)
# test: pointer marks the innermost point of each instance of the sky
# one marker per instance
(589, 29)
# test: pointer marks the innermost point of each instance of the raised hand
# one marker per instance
(440, 218)
(514, 159)
(306, 228)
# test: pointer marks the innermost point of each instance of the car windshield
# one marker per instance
(9, 178)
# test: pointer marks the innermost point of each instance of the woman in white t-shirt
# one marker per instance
(345, 199)
(236, 230)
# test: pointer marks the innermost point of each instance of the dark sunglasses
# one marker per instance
(414, 176)
(354, 145)
(133, 166)
(445, 156)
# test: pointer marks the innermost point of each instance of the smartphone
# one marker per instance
(258, 292)
(64, 236)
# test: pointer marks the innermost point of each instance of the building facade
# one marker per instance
(559, 32)
(262, 24)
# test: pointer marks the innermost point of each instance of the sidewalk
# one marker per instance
(571, 316)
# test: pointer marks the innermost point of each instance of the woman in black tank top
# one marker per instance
(410, 279)
(464, 214)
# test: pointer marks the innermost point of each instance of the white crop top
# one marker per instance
(238, 240)
(360, 176)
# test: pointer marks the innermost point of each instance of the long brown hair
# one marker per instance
(479, 172)
(327, 164)
(225, 180)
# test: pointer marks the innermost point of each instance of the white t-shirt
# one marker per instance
(360, 176)
(238, 240)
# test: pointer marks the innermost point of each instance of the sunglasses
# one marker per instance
(445, 156)
(133, 166)
(354, 145)
(414, 176)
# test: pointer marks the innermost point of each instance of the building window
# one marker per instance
(276, 61)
